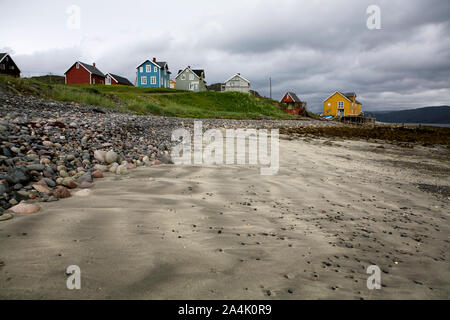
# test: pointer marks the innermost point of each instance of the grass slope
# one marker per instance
(158, 101)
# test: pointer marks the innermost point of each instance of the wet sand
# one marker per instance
(226, 232)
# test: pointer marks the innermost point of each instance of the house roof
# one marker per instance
(197, 72)
(349, 94)
(89, 68)
(346, 95)
(293, 96)
(2, 55)
(120, 80)
(238, 75)
(92, 69)
(159, 64)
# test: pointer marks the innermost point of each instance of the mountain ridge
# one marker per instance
(431, 114)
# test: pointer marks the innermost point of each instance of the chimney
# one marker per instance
(154, 59)
(93, 64)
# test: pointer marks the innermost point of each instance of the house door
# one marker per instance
(340, 112)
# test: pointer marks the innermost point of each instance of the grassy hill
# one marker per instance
(158, 101)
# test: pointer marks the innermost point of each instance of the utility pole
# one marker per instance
(270, 86)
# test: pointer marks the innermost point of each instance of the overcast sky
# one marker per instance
(311, 47)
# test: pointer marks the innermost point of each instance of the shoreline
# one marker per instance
(225, 232)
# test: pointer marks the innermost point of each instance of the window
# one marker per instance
(183, 77)
(155, 69)
(78, 65)
(108, 80)
(191, 77)
(141, 69)
(148, 68)
(153, 80)
(143, 80)
(341, 105)
(2, 66)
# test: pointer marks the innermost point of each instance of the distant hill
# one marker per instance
(438, 114)
(215, 87)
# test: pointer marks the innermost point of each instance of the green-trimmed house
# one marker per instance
(191, 80)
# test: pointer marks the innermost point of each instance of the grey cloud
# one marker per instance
(311, 47)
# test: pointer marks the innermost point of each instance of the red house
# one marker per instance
(293, 104)
(114, 79)
(83, 73)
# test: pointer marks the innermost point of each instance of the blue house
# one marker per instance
(153, 74)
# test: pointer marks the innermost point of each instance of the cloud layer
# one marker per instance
(312, 47)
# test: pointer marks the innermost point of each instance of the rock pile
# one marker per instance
(48, 148)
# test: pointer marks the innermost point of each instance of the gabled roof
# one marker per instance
(92, 69)
(89, 68)
(346, 95)
(237, 75)
(159, 64)
(349, 94)
(197, 72)
(293, 96)
(2, 55)
(120, 80)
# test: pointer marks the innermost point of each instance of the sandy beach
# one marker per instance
(226, 232)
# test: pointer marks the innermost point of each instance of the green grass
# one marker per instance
(158, 101)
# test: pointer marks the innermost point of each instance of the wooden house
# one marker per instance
(237, 83)
(293, 105)
(8, 66)
(153, 74)
(341, 104)
(114, 79)
(191, 79)
(83, 73)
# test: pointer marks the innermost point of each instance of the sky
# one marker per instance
(310, 47)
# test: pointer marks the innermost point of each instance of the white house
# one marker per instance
(237, 83)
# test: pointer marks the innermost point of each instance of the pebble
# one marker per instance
(111, 157)
(83, 193)
(25, 208)
(61, 192)
(121, 170)
(98, 174)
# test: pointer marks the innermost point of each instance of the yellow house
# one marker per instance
(342, 104)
